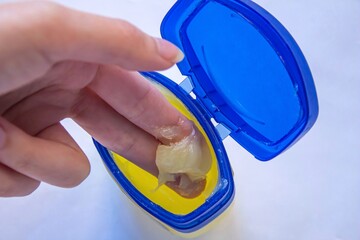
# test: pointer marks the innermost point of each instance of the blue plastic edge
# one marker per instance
(214, 205)
(293, 59)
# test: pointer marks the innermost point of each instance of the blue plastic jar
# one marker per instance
(249, 76)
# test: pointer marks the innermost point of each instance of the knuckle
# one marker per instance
(43, 19)
(80, 105)
(45, 25)
(139, 109)
(129, 30)
(52, 18)
(52, 12)
(136, 40)
(39, 14)
(122, 144)
(128, 146)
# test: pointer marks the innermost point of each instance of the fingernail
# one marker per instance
(169, 51)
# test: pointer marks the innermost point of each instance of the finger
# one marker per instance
(53, 33)
(121, 136)
(138, 100)
(52, 156)
(115, 132)
(14, 184)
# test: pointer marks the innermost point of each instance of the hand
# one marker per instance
(58, 63)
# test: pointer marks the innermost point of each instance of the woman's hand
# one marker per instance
(58, 63)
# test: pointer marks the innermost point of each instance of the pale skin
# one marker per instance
(58, 63)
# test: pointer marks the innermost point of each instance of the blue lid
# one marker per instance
(247, 71)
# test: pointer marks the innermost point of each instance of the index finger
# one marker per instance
(137, 99)
(82, 36)
(53, 33)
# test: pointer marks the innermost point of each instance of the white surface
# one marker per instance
(311, 192)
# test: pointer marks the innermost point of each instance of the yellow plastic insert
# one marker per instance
(148, 184)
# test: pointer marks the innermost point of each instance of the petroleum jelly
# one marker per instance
(183, 165)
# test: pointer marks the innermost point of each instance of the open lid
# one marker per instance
(246, 71)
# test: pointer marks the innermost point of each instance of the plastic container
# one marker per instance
(251, 82)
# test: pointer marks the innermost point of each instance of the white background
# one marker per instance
(311, 192)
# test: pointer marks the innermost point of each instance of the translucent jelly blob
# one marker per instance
(184, 165)
(164, 196)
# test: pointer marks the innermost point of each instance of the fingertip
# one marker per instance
(23, 191)
(86, 169)
(29, 189)
(15, 184)
(169, 51)
(75, 175)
